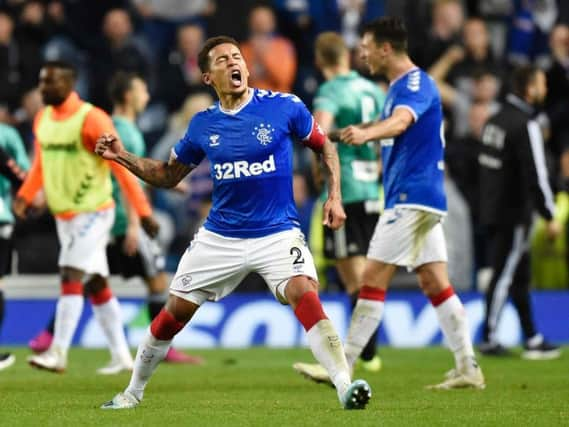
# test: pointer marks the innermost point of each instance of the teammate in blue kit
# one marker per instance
(253, 224)
(409, 233)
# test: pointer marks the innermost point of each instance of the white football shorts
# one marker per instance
(409, 238)
(214, 265)
(83, 240)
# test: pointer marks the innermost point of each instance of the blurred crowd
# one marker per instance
(469, 47)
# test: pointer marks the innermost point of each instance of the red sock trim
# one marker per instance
(442, 296)
(309, 310)
(101, 297)
(165, 326)
(72, 288)
(376, 294)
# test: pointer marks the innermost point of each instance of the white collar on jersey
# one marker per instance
(396, 79)
(236, 110)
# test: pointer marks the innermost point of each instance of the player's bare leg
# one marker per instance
(433, 279)
(153, 349)
(301, 293)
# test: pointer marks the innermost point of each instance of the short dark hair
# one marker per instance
(62, 65)
(120, 84)
(203, 58)
(522, 76)
(388, 29)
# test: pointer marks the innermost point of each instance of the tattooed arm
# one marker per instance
(155, 172)
(334, 215)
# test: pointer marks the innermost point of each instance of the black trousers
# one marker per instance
(508, 250)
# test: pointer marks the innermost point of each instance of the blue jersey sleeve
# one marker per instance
(416, 95)
(188, 151)
(300, 118)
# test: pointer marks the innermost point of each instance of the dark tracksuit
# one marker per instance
(513, 183)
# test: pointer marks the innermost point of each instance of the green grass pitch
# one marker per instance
(257, 387)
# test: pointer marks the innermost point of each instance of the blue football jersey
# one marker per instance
(413, 162)
(250, 151)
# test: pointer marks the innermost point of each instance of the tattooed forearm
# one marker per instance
(332, 164)
(155, 172)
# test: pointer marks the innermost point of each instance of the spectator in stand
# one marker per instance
(461, 161)
(270, 57)
(557, 105)
(447, 21)
(301, 22)
(77, 27)
(80, 22)
(32, 32)
(10, 72)
(161, 19)
(24, 116)
(226, 21)
(461, 155)
(531, 22)
(181, 75)
(477, 55)
(485, 87)
(353, 13)
(119, 51)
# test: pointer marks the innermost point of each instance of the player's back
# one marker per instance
(250, 152)
(508, 191)
(352, 99)
(413, 162)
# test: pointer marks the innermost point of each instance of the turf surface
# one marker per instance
(257, 387)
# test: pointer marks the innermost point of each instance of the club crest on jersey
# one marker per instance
(214, 140)
(263, 133)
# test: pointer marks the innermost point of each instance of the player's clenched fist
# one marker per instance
(108, 146)
(334, 215)
(353, 135)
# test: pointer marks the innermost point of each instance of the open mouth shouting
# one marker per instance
(236, 78)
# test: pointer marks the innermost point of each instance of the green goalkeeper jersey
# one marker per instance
(133, 141)
(352, 99)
